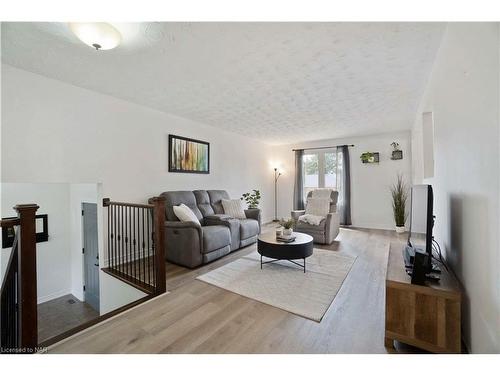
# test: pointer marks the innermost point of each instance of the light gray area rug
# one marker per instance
(284, 285)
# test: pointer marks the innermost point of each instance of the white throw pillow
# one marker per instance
(184, 213)
(318, 206)
(234, 208)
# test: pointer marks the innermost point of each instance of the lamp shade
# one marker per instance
(99, 35)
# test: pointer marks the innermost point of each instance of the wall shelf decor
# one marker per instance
(370, 157)
(397, 153)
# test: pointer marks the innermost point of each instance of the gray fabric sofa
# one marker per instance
(190, 244)
(328, 228)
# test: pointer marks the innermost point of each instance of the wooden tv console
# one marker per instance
(425, 316)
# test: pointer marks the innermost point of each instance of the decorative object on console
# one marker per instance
(370, 157)
(399, 193)
(233, 208)
(187, 155)
(397, 153)
(41, 220)
(252, 199)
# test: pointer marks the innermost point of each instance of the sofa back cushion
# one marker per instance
(215, 199)
(334, 196)
(175, 198)
(203, 202)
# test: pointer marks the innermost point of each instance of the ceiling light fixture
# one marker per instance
(99, 35)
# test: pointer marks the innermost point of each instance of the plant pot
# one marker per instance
(287, 232)
(400, 229)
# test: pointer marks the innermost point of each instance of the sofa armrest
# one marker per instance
(254, 213)
(183, 243)
(332, 226)
(296, 213)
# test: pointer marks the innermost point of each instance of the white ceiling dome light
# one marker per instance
(99, 35)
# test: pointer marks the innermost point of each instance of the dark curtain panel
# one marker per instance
(345, 191)
(298, 188)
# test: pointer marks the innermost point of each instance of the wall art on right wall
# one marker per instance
(397, 153)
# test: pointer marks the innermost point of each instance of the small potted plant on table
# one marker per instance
(288, 227)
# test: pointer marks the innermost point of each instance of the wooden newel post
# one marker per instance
(27, 292)
(159, 240)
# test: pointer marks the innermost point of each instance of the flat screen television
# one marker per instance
(421, 222)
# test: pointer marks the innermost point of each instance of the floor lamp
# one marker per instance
(277, 175)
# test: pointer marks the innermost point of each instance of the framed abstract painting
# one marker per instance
(187, 155)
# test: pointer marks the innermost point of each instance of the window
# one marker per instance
(321, 170)
(311, 171)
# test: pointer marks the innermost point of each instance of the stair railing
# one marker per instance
(136, 244)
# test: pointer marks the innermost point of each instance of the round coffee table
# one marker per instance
(301, 248)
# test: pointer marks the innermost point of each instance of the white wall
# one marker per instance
(370, 183)
(115, 294)
(64, 133)
(54, 256)
(463, 94)
(55, 132)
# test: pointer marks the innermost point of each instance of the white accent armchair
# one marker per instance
(328, 228)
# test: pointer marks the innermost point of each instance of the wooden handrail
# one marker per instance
(106, 202)
(8, 223)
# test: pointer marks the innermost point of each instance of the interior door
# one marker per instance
(90, 254)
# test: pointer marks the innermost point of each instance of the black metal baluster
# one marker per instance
(148, 232)
(132, 209)
(109, 238)
(115, 234)
(129, 252)
(132, 238)
(143, 248)
(127, 247)
(153, 245)
(122, 252)
(114, 237)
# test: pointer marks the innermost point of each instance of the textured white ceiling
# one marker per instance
(278, 82)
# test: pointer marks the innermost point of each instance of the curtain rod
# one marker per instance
(319, 148)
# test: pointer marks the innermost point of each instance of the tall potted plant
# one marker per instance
(399, 193)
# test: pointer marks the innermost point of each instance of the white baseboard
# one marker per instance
(52, 296)
(369, 225)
